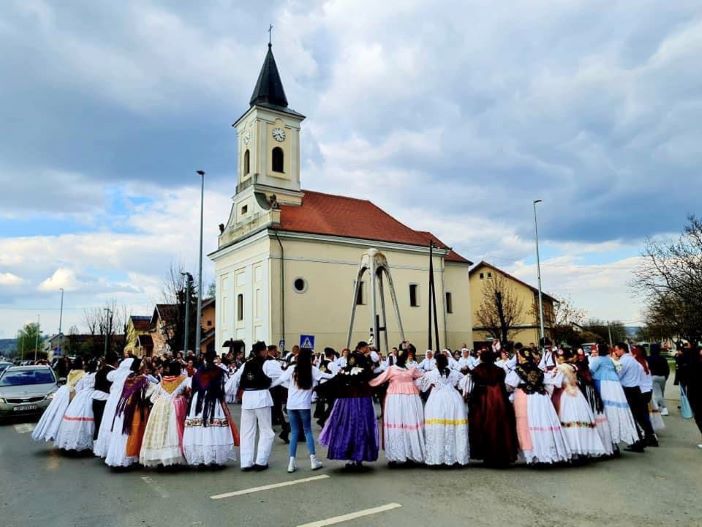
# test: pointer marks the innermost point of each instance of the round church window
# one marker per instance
(300, 285)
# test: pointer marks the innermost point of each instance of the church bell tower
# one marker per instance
(269, 138)
(268, 148)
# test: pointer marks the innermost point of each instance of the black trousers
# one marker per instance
(98, 411)
(639, 408)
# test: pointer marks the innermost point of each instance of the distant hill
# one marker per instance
(7, 346)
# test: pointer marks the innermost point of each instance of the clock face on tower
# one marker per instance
(279, 134)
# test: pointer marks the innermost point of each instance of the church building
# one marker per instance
(288, 258)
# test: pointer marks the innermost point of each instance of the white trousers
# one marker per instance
(250, 419)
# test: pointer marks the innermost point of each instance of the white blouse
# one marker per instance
(299, 399)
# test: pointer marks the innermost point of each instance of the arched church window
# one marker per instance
(278, 157)
(247, 162)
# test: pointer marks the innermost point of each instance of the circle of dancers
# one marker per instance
(497, 406)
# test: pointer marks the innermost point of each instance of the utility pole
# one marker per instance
(198, 323)
(538, 275)
(36, 340)
(609, 332)
(60, 333)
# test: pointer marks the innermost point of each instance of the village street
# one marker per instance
(660, 487)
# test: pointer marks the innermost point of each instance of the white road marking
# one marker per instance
(158, 489)
(24, 428)
(267, 487)
(352, 515)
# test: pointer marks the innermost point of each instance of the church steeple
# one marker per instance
(269, 87)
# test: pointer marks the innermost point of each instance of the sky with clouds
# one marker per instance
(452, 115)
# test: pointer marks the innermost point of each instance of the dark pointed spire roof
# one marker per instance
(269, 87)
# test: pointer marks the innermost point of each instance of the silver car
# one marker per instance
(26, 390)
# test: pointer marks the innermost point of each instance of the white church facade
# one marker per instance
(287, 258)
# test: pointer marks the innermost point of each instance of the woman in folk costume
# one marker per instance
(351, 432)
(616, 408)
(577, 419)
(587, 386)
(541, 438)
(77, 427)
(130, 419)
(48, 426)
(492, 431)
(445, 417)
(163, 436)
(403, 414)
(117, 378)
(210, 433)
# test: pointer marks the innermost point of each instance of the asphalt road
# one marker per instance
(40, 486)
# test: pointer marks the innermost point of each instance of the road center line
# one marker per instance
(158, 489)
(352, 515)
(267, 487)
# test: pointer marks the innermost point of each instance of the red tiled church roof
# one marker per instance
(333, 215)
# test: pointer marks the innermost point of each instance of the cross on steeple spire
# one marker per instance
(270, 35)
(269, 87)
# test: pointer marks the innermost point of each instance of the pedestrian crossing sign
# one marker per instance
(307, 341)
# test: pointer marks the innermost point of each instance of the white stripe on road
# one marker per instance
(158, 489)
(24, 428)
(267, 487)
(352, 515)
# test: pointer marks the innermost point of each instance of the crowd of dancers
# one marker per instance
(540, 406)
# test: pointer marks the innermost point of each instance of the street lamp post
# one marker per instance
(198, 323)
(538, 276)
(188, 292)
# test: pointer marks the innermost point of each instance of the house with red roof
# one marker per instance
(287, 258)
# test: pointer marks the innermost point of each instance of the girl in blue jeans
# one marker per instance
(300, 379)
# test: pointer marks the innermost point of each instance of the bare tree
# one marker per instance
(561, 320)
(670, 279)
(500, 309)
(174, 295)
(108, 321)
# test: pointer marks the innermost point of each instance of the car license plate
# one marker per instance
(25, 408)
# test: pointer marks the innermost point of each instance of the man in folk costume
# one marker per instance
(102, 389)
(255, 379)
(280, 395)
(325, 403)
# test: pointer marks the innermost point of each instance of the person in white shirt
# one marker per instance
(473, 360)
(464, 361)
(429, 363)
(300, 379)
(255, 378)
(631, 375)
(341, 361)
(452, 363)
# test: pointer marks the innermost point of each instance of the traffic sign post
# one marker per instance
(307, 341)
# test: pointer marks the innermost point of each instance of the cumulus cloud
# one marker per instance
(451, 115)
(10, 279)
(61, 279)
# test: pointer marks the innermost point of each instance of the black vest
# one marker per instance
(101, 382)
(324, 366)
(253, 377)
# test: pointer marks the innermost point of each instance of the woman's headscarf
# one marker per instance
(529, 372)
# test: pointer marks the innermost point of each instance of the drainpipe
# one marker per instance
(282, 287)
